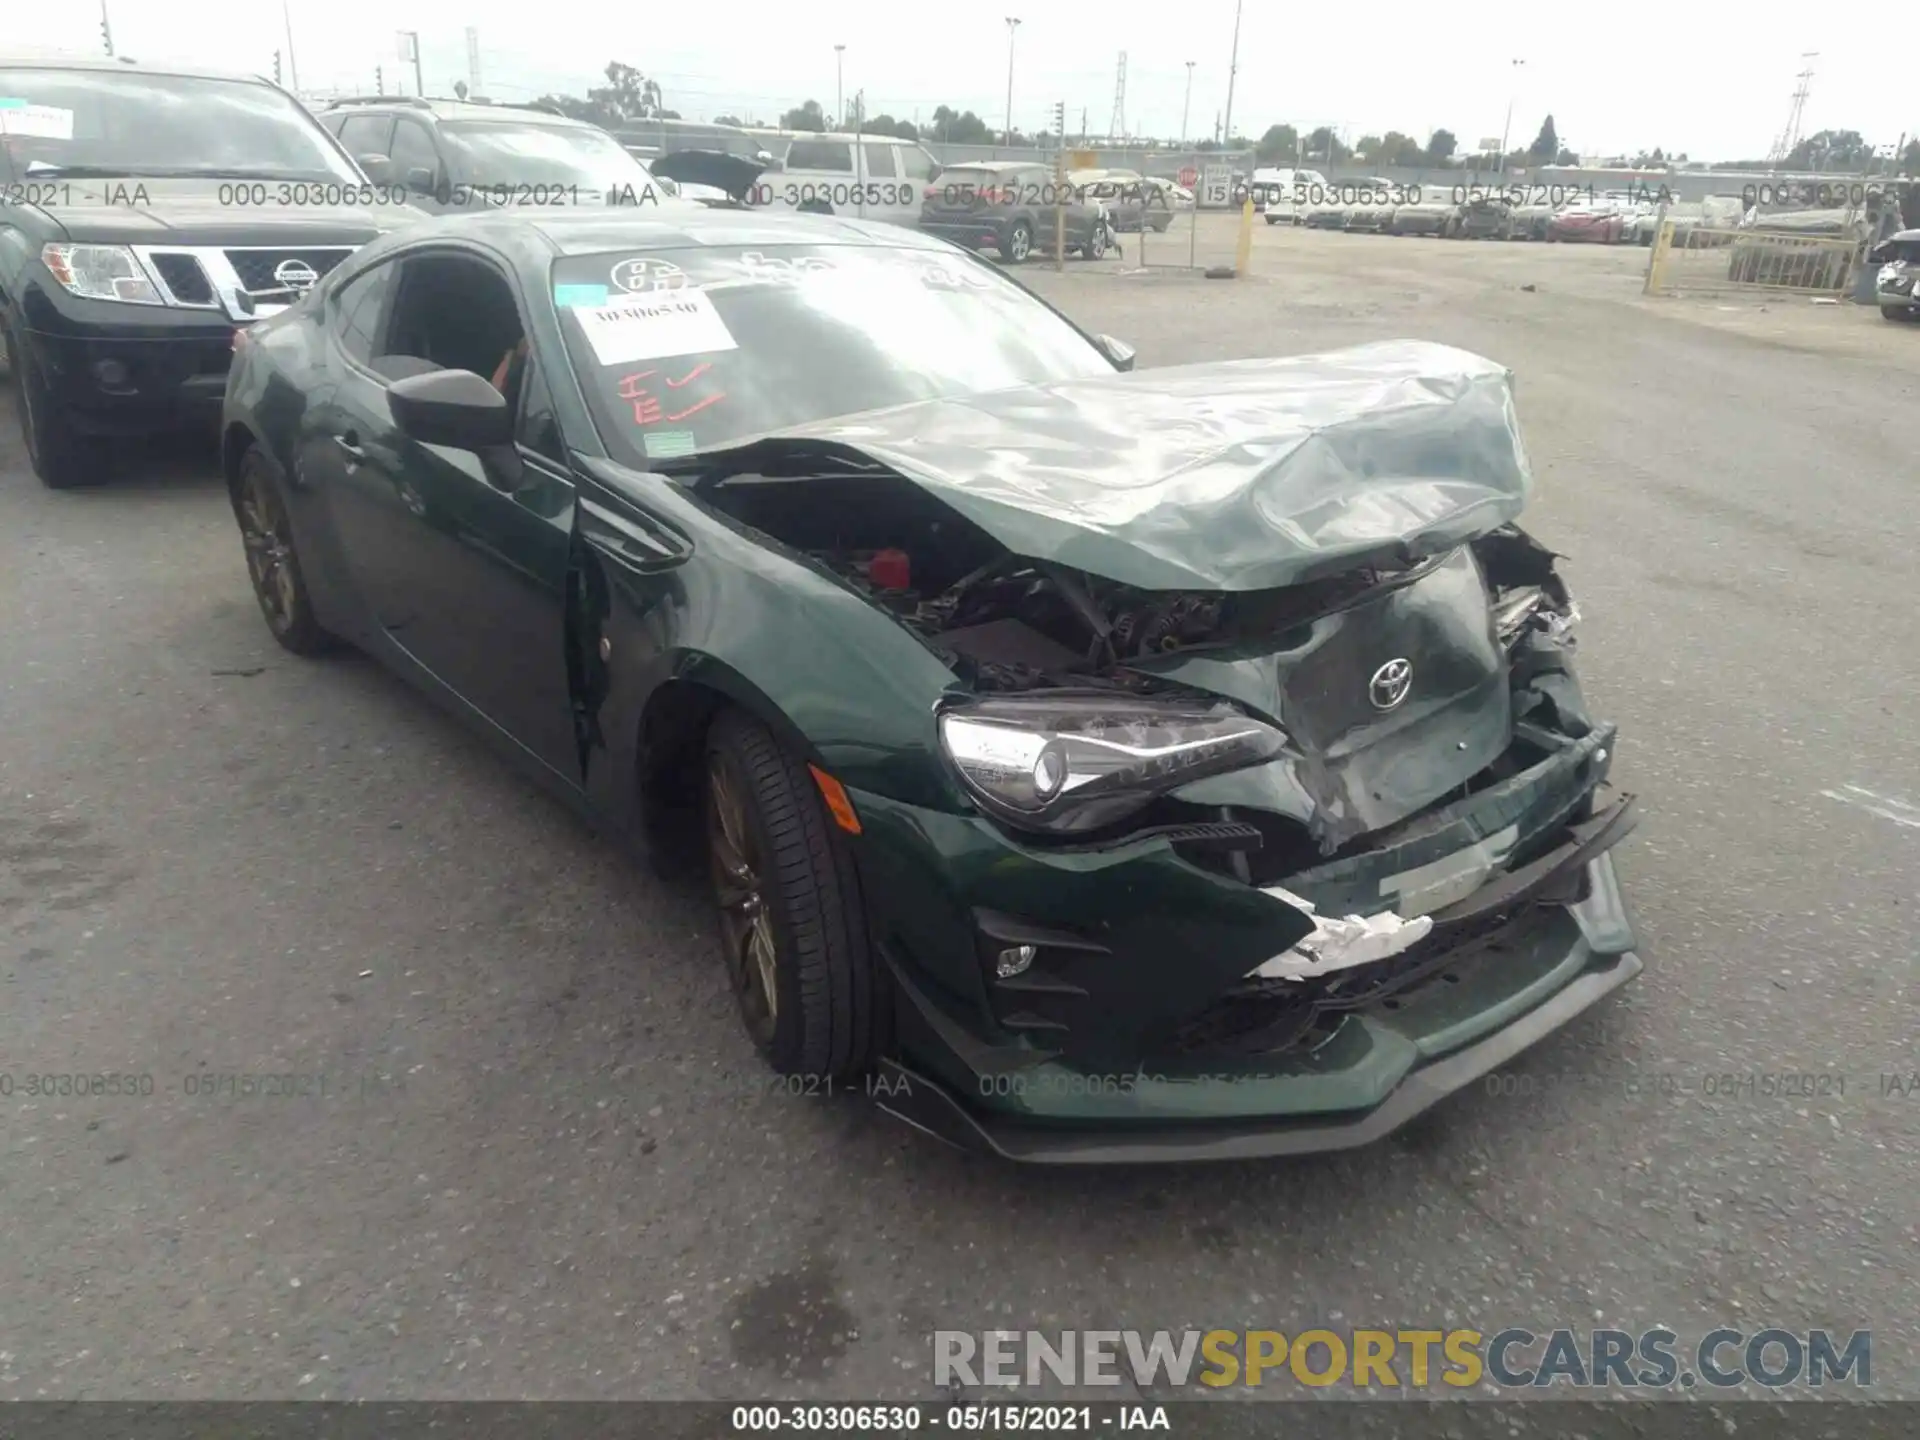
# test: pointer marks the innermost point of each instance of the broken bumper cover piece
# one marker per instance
(1055, 1065)
(933, 1108)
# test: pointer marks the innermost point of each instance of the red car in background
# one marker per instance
(1600, 222)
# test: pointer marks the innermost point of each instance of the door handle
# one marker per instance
(349, 444)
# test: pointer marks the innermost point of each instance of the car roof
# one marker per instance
(666, 226)
(119, 65)
(454, 110)
(866, 137)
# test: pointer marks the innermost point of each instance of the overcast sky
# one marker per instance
(1615, 77)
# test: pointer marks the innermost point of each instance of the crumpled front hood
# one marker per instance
(1235, 475)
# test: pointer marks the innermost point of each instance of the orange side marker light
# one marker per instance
(835, 794)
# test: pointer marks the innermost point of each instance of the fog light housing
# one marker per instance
(1014, 960)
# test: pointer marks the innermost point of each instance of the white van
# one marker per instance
(1289, 194)
(871, 177)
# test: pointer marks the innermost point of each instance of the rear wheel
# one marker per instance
(1019, 243)
(1096, 247)
(272, 563)
(791, 917)
(63, 458)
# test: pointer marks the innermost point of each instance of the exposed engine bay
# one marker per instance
(1006, 624)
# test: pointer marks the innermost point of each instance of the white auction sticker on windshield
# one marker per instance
(653, 327)
(641, 274)
(42, 122)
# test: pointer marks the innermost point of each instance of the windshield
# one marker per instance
(506, 153)
(128, 123)
(686, 350)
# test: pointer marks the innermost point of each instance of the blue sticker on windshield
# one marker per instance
(665, 444)
(581, 295)
(8, 103)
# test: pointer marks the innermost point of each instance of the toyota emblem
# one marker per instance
(295, 274)
(1390, 684)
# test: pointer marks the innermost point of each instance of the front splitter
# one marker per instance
(932, 1108)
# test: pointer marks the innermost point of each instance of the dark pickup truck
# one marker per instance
(146, 214)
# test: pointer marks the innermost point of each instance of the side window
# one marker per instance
(457, 312)
(365, 134)
(413, 149)
(919, 164)
(361, 311)
(879, 161)
(834, 155)
(539, 430)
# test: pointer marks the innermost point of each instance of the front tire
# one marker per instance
(63, 458)
(1896, 312)
(273, 565)
(792, 921)
(1018, 244)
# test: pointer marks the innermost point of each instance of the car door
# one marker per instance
(417, 164)
(884, 194)
(366, 135)
(462, 571)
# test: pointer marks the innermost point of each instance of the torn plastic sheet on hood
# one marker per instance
(1234, 475)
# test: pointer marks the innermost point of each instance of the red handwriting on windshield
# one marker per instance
(647, 407)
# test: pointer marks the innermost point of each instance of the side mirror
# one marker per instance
(1118, 351)
(420, 180)
(377, 168)
(1880, 254)
(455, 408)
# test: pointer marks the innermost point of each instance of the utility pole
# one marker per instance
(293, 65)
(473, 62)
(1233, 68)
(1013, 25)
(1117, 127)
(379, 80)
(1186, 105)
(106, 29)
(839, 87)
(276, 67)
(1790, 137)
(1500, 164)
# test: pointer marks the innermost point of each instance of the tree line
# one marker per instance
(630, 95)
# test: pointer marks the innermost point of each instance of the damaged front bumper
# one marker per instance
(1075, 1006)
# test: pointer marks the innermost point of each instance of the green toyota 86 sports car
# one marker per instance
(1093, 764)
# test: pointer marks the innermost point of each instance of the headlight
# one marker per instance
(1528, 606)
(100, 272)
(1071, 764)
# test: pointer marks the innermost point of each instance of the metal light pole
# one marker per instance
(293, 65)
(1233, 68)
(1186, 105)
(106, 28)
(840, 86)
(1500, 165)
(1013, 25)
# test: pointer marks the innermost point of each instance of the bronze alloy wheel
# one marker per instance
(272, 562)
(263, 533)
(746, 924)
